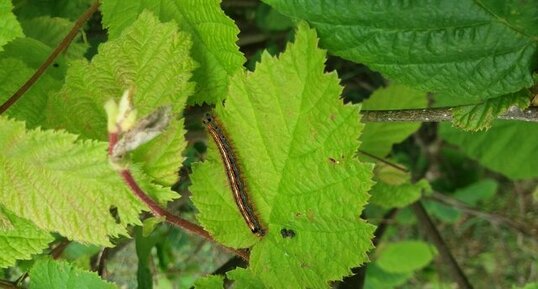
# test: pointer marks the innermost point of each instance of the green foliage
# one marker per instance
(527, 286)
(66, 185)
(13, 73)
(482, 190)
(393, 188)
(209, 282)
(212, 32)
(151, 57)
(32, 52)
(462, 49)
(283, 119)
(19, 239)
(405, 256)
(47, 274)
(269, 19)
(504, 148)
(378, 138)
(481, 116)
(10, 28)
(377, 278)
(51, 32)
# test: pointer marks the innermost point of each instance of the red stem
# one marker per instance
(54, 54)
(158, 211)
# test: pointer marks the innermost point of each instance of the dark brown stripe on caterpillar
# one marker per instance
(233, 173)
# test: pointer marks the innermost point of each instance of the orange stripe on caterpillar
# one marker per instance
(233, 173)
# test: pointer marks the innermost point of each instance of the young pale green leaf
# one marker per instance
(9, 26)
(295, 141)
(153, 58)
(462, 49)
(378, 138)
(405, 256)
(20, 240)
(504, 148)
(210, 282)
(30, 108)
(213, 34)
(481, 116)
(51, 31)
(47, 274)
(65, 185)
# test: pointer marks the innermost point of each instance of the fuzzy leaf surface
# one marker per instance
(296, 143)
(461, 49)
(20, 240)
(47, 274)
(505, 148)
(378, 138)
(9, 26)
(66, 185)
(153, 58)
(213, 34)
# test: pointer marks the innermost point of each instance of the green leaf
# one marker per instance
(482, 190)
(51, 32)
(30, 108)
(213, 35)
(154, 58)
(390, 196)
(376, 278)
(66, 185)
(209, 282)
(405, 256)
(393, 188)
(9, 26)
(33, 52)
(527, 286)
(442, 212)
(71, 9)
(378, 138)
(47, 274)
(481, 116)
(144, 245)
(243, 279)
(504, 148)
(269, 19)
(462, 49)
(295, 142)
(20, 240)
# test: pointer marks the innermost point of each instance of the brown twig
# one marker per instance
(490, 217)
(4, 284)
(439, 115)
(54, 54)
(59, 249)
(389, 163)
(427, 224)
(158, 211)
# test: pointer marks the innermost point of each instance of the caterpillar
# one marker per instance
(233, 173)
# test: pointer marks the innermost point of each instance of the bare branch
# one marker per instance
(439, 115)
